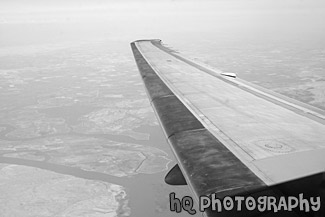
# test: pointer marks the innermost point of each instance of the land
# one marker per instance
(71, 133)
(28, 191)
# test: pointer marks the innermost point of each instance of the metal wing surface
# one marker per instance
(230, 137)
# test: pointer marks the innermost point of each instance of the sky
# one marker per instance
(168, 16)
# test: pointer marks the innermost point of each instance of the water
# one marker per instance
(73, 103)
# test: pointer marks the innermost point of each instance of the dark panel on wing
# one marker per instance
(215, 168)
(155, 87)
(174, 116)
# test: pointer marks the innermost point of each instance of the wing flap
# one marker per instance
(174, 116)
(210, 167)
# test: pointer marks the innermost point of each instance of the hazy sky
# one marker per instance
(132, 20)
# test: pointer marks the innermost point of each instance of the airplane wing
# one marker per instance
(231, 137)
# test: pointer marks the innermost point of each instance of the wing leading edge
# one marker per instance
(224, 145)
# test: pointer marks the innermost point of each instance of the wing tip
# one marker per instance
(152, 40)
